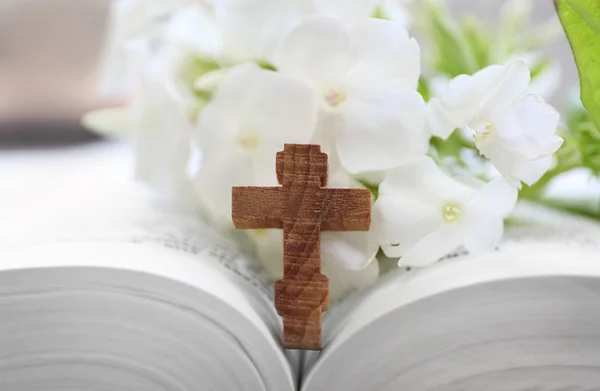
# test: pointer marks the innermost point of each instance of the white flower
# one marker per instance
(521, 140)
(365, 79)
(252, 114)
(422, 214)
(516, 132)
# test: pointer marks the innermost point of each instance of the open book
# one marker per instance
(104, 286)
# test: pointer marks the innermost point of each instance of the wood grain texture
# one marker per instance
(302, 208)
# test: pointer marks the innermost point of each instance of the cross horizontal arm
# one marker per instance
(257, 207)
(346, 210)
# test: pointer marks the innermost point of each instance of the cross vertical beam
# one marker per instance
(302, 208)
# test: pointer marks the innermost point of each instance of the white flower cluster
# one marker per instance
(268, 72)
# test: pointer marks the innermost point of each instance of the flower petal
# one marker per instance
(411, 204)
(496, 198)
(254, 29)
(529, 126)
(476, 100)
(484, 215)
(162, 141)
(217, 122)
(238, 84)
(483, 234)
(453, 108)
(282, 110)
(216, 177)
(269, 250)
(383, 52)
(350, 250)
(380, 128)
(187, 24)
(421, 179)
(112, 121)
(400, 221)
(434, 246)
(522, 140)
(441, 122)
(137, 25)
(343, 281)
(213, 185)
(515, 165)
(499, 87)
(318, 51)
(274, 108)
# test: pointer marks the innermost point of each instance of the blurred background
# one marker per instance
(50, 50)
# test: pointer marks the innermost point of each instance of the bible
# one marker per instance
(105, 285)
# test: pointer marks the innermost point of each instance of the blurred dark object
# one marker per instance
(39, 132)
(49, 50)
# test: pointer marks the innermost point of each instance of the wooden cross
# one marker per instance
(302, 208)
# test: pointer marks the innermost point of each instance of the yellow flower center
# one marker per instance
(451, 212)
(248, 141)
(487, 132)
(333, 97)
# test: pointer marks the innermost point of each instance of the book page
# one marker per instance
(528, 310)
(534, 223)
(86, 193)
(78, 207)
(530, 225)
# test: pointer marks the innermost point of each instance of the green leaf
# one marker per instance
(588, 139)
(581, 21)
